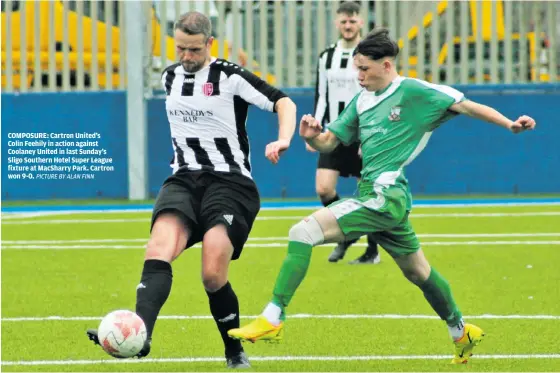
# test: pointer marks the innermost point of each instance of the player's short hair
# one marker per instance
(349, 8)
(194, 23)
(377, 44)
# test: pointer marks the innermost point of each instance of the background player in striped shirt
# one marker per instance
(337, 83)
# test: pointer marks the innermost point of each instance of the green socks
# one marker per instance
(438, 293)
(291, 274)
(436, 289)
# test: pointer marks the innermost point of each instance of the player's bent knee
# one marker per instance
(215, 270)
(413, 276)
(213, 280)
(159, 249)
(325, 192)
(307, 231)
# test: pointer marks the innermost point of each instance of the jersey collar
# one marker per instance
(381, 91)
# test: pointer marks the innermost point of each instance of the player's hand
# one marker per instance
(360, 151)
(523, 123)
(309, 127)
(275, 149)
(309, 148)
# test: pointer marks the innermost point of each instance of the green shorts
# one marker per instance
(384, 213)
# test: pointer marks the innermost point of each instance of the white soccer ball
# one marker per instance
(122, 333)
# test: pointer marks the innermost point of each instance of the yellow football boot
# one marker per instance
(472, 336)
(259, 329)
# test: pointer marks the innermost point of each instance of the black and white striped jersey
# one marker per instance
(207, 112)
(337, 82)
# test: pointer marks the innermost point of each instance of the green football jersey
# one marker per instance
(394, 125)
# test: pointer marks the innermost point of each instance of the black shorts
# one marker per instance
(344, 159)
(204, 199)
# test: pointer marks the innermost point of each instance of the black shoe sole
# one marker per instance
(93, 336)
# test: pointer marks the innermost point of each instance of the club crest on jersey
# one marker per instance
(208, 89)
(395, 114)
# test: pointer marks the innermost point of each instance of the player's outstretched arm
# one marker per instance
(310, 130)
(286, 110)
(488, 114)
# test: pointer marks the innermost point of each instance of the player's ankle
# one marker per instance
(457, 331)
(273, 313)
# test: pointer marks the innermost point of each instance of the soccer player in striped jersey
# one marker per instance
(211, 196)
(337, 84)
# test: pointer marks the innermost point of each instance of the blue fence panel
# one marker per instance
(469, 156)
(70, 114)
(463, 156)
(160, 151)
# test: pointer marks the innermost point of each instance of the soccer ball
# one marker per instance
(122, 333)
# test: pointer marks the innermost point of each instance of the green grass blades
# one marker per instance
(501, 263)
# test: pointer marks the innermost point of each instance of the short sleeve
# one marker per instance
(434, 101)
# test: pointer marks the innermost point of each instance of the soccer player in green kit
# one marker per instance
(393, 118)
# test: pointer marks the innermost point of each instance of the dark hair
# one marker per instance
(349, 8)
(377, 44)
(194, 23)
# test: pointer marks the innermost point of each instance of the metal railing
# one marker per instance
(65, 45)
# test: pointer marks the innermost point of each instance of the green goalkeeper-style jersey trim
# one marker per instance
(394, 125)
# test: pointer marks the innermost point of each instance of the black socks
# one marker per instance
(152, 292)
(225, 310)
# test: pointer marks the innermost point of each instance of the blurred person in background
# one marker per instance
(337, 83)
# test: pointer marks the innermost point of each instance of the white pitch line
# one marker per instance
(428, 235)
(294, 316)
(272, 358)
(71, 247)
(486, 214)
(251, 239)
(93, 240)
(23, 215)
(38, 214)
(481, 235)
(265, 218)
(417, 205)
(76, 221)
(275, 244)
(34, 214)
